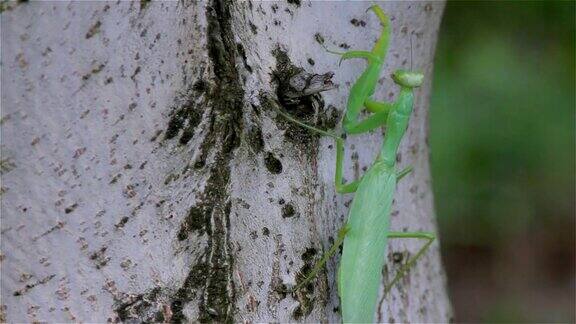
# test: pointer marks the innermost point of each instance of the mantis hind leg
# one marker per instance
(430, 237)
(320, 264)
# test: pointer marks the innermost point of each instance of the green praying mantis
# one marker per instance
(366, 231)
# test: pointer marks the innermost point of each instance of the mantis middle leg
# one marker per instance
(430, 237)
(341, 187)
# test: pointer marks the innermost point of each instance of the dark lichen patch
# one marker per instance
(171, 177)
(243, 203)
(144, 4)
(397, 257)
(95, 29)
(358, 23)
(52, 229)
(195, 221)
(303, 295)
(71, 208)
(187, 135)
(143, 308)
(199, 164)
(214, 284)
(330, 118)
(186, 116)
(307, 106)
(296, 134)
(255, 139)
(122, 222)
(253, 28)
(135, 73)
(95, 70)
(6, 165)
(288, 211)
(195, 280)
(242, 54)
(9, 5)
(273, 165)
(200, 86)
(156, 135)
(309, 254)
(29, 286)
(99, 257)
(302, 311)
(282, 75)
(295, 2)
(115, 178)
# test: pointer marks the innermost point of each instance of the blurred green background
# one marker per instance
(503, 159)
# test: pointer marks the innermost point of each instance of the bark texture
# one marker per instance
(147, 177)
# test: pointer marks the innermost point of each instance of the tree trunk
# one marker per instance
(146, 175)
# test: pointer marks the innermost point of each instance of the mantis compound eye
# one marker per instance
(408, 79)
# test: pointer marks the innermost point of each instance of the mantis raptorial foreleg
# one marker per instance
(367, 124)
(376, 106)
(419, 235)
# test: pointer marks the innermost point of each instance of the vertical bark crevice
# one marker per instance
(214, 281)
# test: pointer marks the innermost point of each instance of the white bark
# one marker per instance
(145, 175)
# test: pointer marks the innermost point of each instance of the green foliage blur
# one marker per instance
(502, 125)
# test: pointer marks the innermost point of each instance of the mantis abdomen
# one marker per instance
(364, 251)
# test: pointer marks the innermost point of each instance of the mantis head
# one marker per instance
(408, 79)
